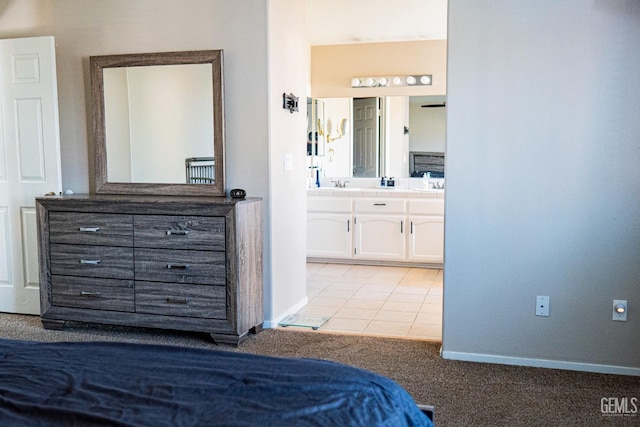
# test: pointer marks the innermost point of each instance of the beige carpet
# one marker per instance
(464, 394)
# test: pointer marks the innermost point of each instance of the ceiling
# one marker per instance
(374, 21)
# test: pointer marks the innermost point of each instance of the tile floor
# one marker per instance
(404, 302)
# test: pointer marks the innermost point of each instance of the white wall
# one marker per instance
(396, 142)
(543, 148)
(288, 73)
(171, 119)
(95, 27)
(427, 131)
(117, 124)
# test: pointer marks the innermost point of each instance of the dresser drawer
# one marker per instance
(180, 266)
(92, 261)
(98, 294)
(180, 232)
(91, 228)
(181, 300)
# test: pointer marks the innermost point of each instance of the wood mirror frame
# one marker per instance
(98, 63)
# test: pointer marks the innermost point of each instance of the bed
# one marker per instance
(120, 384)
(422, 162)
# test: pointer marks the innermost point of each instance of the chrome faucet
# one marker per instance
(340, 184)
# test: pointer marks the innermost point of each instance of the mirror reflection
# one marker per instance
(315, 127)
(159, 124)
(386, 136)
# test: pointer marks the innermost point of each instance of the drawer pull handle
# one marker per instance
(177, 300)
(90, 294)
(177, 232)
(90, 261)
(89, 229)
(178, 266)
(379, 204)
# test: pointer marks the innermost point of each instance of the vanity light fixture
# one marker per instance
(391, 81)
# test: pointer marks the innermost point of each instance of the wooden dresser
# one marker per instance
(183, 263)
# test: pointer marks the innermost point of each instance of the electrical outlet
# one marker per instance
(620, 310)
(542, 305)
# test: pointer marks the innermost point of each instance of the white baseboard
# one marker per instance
(541, 363)
(269, 324)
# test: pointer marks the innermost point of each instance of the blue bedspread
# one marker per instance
(102, 384)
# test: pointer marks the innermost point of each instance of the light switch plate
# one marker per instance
(288, 162)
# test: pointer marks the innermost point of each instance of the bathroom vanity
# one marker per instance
(368, 225)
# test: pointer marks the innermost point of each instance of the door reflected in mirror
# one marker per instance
(157, 118)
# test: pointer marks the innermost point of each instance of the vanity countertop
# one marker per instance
(376, 192)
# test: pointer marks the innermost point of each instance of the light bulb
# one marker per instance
(355, 82)
(411, 80)
(369, 81)
(383, 81)
(397, 80)
(425, 80)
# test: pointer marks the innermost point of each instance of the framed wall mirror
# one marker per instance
(158, 123)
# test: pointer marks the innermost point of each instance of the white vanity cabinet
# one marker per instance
(369, 226)
(426, 230)
(379, 229)
(329, 227)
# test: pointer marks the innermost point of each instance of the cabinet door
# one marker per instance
(426, 238)
(329, 235)
(380, 237)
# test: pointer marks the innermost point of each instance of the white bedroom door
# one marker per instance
(29, 163)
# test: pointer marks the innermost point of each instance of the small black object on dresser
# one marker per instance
(238, 193)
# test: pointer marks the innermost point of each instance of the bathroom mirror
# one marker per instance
(158, 123)
(406, 124)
